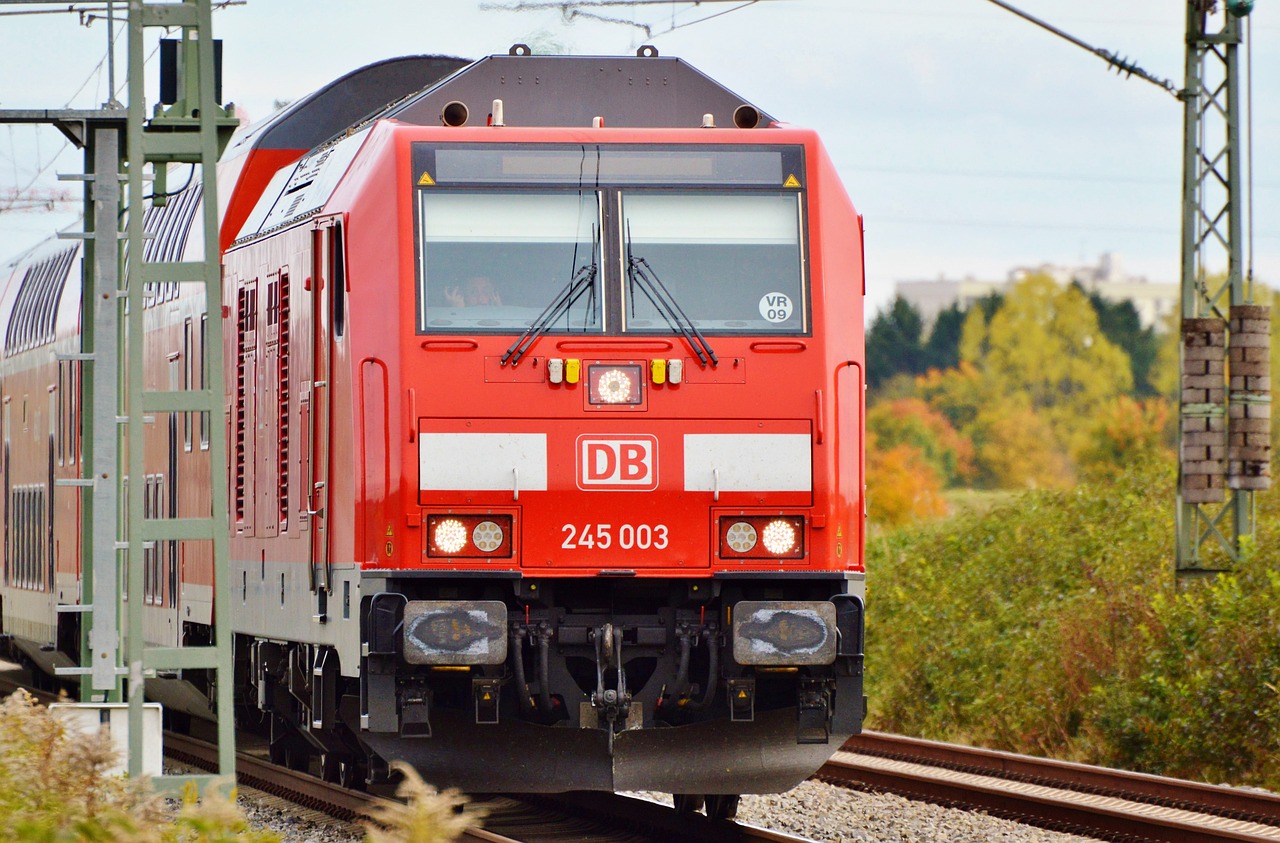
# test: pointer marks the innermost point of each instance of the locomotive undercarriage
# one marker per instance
(636, 687)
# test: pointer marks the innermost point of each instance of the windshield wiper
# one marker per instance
(581, 282)
(638, 270)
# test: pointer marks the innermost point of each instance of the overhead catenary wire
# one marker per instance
(1122, 65)
(571, 10)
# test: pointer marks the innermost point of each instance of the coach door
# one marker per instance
(327, 277)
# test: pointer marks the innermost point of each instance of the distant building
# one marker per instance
(1154, 301)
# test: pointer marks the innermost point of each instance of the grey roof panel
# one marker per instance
(344, 102)
(628, 91)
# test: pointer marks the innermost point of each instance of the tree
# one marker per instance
(910, 421)
(901, 485)
(894, 343)
(942, 349)
(1016, 449)
(1044, 343)
(1120, 324)
(1125, 433)
(959, 393)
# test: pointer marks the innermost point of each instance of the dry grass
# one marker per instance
(55, 788)
(426, 816)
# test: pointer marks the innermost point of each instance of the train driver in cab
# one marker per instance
(477, 291)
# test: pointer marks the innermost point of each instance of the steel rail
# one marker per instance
(584, 817)
(1056, 794)
(295, 786)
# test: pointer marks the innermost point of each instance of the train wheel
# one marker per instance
(722, 806)
(352, 775)
(687, 803)
(343, 771)
(330, 767)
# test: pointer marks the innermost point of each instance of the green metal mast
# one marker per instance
(1225, 425)
(193, 130)
(123, 147)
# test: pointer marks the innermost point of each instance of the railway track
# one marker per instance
(1095, 801)
(1083, 799)
(585, 818)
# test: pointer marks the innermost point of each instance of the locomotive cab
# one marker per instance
(552, 434)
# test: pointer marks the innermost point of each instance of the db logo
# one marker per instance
(618, 462)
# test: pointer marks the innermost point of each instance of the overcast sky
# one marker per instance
(971, 140)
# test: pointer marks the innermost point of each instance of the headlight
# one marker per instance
(468, 536)
(449, 536)
(614, 385)
(762, 537)
(779, 537)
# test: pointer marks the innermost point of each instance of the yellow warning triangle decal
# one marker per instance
(426, 181)
(742, 695)
(791, 181)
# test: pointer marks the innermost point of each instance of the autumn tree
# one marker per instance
(1016, 449)
(1126, 432)
(1044, 344)
(902, 486)
(910, 421)
(959, 393)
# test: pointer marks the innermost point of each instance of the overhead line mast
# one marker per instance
(188, 127)
(1225, 424)
(1225, 399)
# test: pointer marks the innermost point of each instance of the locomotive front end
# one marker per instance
(632, 380)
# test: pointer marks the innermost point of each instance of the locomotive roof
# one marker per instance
(315, 118)
(642, 91)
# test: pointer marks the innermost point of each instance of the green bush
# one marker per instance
(1052, 625)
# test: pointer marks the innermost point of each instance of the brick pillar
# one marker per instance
(1249, 413)
(1204, 434)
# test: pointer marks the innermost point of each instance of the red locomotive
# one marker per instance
(545, 422)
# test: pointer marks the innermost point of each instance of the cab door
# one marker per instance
(326, 248)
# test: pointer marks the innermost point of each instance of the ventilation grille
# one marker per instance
(282, 404)
(246, 333)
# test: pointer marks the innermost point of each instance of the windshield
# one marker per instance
(731, 262)
(494, 261)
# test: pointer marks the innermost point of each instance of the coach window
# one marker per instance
(496, 260)
(731, 262)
